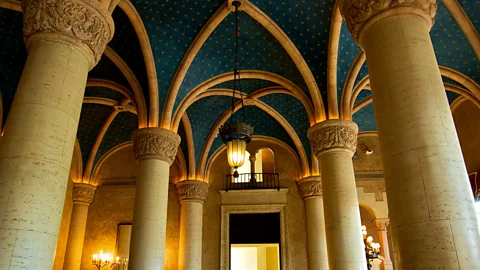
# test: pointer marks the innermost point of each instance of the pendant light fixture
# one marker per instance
(236, 135)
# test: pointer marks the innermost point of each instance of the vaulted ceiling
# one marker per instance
(170, 62)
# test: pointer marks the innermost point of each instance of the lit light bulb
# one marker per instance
(369, 239)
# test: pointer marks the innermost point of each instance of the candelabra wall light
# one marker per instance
(101, 260)
(372, 249)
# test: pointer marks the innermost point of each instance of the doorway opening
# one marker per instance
(255, 241)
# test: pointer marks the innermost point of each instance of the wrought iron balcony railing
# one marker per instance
(253, 181)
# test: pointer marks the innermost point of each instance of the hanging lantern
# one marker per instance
(236, 135)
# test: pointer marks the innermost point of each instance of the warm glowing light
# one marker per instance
(236, 152)
(369, 239)
(101, 259)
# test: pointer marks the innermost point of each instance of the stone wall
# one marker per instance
(295, 209)
(467, 119)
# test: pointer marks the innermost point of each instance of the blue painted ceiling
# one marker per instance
(172, 25)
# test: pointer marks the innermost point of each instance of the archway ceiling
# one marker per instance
(172, 27)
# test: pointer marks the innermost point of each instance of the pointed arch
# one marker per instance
(255, 138)
(187, 126)
(146, 48)
(273, 113)
(269, 25)
(246, 74)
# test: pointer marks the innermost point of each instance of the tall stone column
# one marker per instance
(432, 213)
(382, 224)
(82, 198)
(192, 195)
(65, 39)
(334, 143)
(310, 189)
(155, 150)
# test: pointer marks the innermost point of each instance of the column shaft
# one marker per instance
(191, 228)
(432, 212)
(342, 214)
(311, 191)
(150, 215)
(155, 150)
(36, 154)
(317, 240)
(192, 194)
(82, 197)
(334, 142)
(76, 236)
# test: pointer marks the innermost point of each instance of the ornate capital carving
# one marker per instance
(310, 187)
(155, 143)
(192, 190)
(332, 135)
(81, 24)
(83, 193)
(381, 223)
(359, 13)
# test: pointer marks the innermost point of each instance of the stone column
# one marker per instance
(82, 198)
(155, 150)
(310, 189)
(192, 195)
(431, 209)
(381, 224)
(65, 39)
(252, 159)
(334, 143)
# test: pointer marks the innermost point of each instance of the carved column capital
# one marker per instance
(359, 14)
(192, 190)
(381, 223)
(333, 135)
(83, 193)
(80, 24)
(155, 143)
(310, 187)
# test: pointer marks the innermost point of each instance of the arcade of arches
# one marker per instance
(365, 112)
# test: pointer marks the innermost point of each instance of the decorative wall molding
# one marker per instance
(333, 135)
(310, 187)
(192, 190)
(83, 193)
(381, 223)
(360, 13)
(155, 143)
(81, 24)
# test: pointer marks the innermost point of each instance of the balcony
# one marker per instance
(253, 181)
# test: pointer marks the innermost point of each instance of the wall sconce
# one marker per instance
(101, 260)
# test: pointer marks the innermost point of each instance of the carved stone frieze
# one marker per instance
(357, 13)
(192, 190)
(155, 143)
(83, 193)
(310, 187)
(82, 24)
(333, 135)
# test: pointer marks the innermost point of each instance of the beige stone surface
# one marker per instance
(36, 154)
(311, 191)
(334, 142)
(150, 215)
(432, 213)
(83, 195)
(192, 194)
(191, 224)
(64, 228)
(294, 210)
(112, 205)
